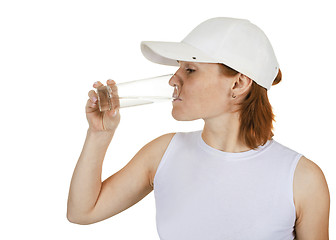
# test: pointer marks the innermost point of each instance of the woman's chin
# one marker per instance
(178, 116)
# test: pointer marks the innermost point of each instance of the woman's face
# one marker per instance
(203, 89)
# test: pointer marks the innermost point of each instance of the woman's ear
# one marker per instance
(246, 80)
(242, 84)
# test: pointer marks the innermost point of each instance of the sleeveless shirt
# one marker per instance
(202, 193)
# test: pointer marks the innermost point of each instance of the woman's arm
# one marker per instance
(312, 201)
(91, 201)
(86, 180)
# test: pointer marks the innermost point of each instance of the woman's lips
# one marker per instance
(175, 96)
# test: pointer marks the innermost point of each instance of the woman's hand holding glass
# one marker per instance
(102, 120)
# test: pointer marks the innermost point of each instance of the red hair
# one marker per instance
(256, 115)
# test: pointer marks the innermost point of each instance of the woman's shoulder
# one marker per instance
(310, 187)
(308, 172)
(157, 148)
(307, 175)
(160, 144)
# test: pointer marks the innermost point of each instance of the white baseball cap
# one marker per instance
(236, 43)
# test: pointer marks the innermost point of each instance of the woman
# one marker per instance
(231, 180)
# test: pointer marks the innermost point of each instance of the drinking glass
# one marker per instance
(136, 93)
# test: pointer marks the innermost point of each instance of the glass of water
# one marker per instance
(136, 93)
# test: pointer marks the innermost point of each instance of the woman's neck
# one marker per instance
(222, 133)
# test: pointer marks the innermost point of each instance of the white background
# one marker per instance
(51, 52)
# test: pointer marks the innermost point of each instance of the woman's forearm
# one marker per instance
(86, 180)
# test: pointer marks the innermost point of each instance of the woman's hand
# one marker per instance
(102, 121)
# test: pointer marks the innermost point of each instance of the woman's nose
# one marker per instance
(174, 80)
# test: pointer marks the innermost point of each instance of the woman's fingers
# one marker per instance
(93, 97)
(90, 106)
(97, 84)
(92, 94)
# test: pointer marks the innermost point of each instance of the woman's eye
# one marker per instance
(189, 70)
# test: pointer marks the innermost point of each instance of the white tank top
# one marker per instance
(202, 193)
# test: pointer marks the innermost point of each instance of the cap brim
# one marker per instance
(168, 53)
